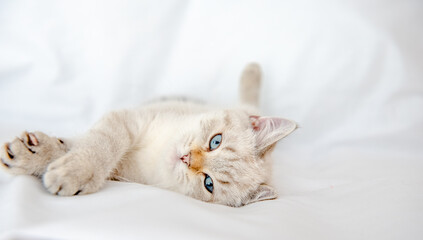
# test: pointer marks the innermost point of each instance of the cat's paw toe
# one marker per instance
(6, 156)
(29, 153)
(70, 175)
(60, 182)
(16, 156)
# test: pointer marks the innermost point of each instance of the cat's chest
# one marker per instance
(148, 160)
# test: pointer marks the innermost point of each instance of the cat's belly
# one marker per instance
(156, 157)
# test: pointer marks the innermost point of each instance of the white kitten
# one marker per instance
(214, 155)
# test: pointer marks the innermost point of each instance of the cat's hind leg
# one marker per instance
(31, 153)
(249, 88)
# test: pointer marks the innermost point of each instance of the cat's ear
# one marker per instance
(269, 130)
(263, 192)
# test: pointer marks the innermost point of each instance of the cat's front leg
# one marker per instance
(93, 157)
(74, 173)
(31, 153)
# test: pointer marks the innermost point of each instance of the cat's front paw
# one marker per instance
(30, 153)
(72, 174)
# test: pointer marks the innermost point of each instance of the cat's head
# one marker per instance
(224, 157)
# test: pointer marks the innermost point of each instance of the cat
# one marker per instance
(215, 155)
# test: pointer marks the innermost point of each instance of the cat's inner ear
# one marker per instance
(263, 192)
(269, 130)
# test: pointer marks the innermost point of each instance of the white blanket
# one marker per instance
(349, 72)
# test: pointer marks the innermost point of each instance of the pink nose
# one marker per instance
(185, 159)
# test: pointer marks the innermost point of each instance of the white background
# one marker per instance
(349, 72)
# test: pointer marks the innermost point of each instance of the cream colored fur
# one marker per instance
(165, 144)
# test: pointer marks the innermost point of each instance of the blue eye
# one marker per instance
(215, 142)
(208, 183)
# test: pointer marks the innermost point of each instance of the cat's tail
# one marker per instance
(249, 88)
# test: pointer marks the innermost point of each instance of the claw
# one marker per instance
(32, 139)
(58, 190)
(5, 164)
(77, 192)
(29, 139)
(9, 153)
